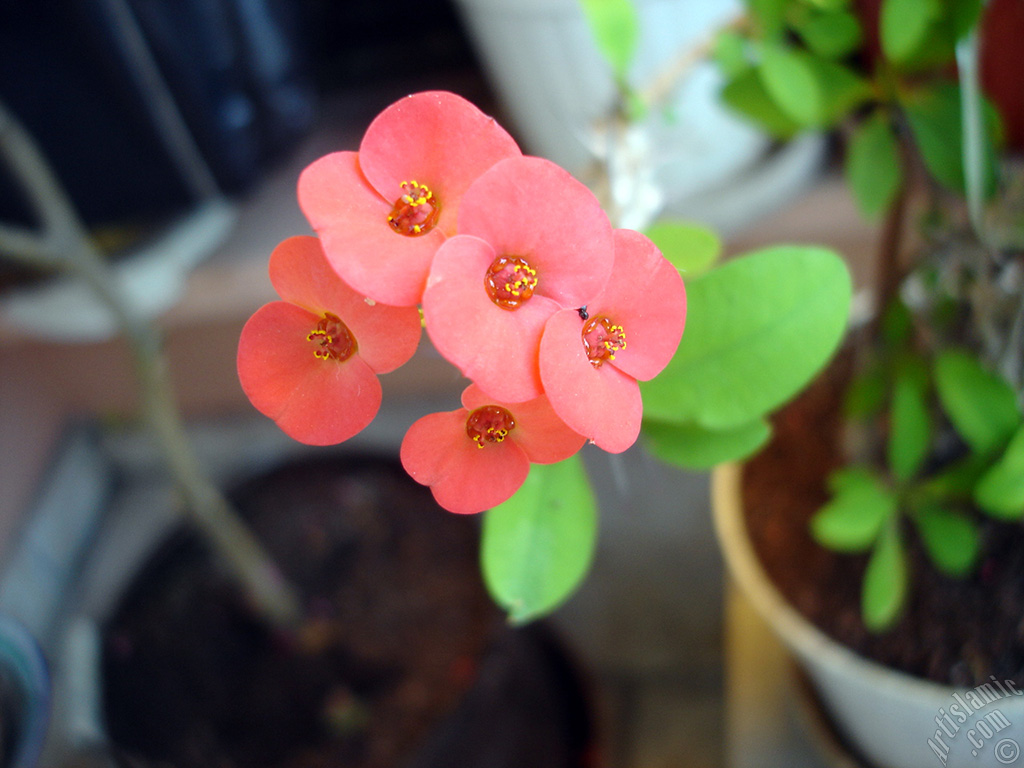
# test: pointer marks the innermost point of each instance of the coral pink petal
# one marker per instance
(529, 207)
(603, 403)
(495, 347)
(386, 336)
(318, 402)
(647, 298)
(352, 221)
(437, 139)
(463, 477)
(539, 431)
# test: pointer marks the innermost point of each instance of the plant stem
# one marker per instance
(63, 244)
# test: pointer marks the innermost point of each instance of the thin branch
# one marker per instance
(64, 243)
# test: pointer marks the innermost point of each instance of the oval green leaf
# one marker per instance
(616, 29)
(1000, 491)
(951, 539)
(834, 34)
(691, 248)
(759, 328)
(904, 25)
(537, 547)
(692, 446)
(873, 168)
(886, 580)
(910, 427)
(790, 79)
(859, 507)
(981, 404)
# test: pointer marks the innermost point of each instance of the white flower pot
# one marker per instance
(891, 718)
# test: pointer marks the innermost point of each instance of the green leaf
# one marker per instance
(746, 94)
(691, 248)
(904, 26)
(730, 52)
(759, 328)
(950, 537)
(981, 404)
(867, 392)
(832, 35)
(886, 579)
(965, 15)
(873, 167)
(770, 16)
(615, 25)
(1000, 491)
(842, 90)
(538, 545)
(695, 447)
(790, 79)
(910, 427)
(934, 117)
(859, 507)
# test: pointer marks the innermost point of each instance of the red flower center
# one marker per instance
(489, 424)
(416, 211)
(510, 281)
(332, 340)
(602, 339)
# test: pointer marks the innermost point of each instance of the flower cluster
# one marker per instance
(523, 284)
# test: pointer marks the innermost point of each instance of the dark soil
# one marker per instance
(953, 631)
(404, 660)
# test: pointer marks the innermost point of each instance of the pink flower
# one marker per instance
(381, 213)
(591, 359)
(532, 240)
(477, 457)
(310, 362)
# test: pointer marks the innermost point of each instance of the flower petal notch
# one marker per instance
(592, 357)
(532, 240)
(478, 456)
(382, 212)
(310, 361)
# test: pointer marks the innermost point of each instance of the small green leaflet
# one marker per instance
(1000, 491)
(981, 404)
(904, 25)
(691, 248)
(873, 168)
(616, 29)
(886, 579)
(910, 426)
(833, 34)
(537, 547)
(950, 537)
(746, 94)
(860, 506)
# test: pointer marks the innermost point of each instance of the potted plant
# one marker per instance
(909, 480)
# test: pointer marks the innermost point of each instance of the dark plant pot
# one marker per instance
(402, 661)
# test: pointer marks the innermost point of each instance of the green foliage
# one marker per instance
(979, 403)
(873, 167)
(886, 579)
(759, 327)
(616, 29)
(691, 248)
(1000, 491)
(692, 446)
(746, 94)
(904, 26)
(860, 506)
(832, 34)
(538, 545)
(910, 425)
(950, 537)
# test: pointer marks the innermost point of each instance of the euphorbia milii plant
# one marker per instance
(554, 316)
